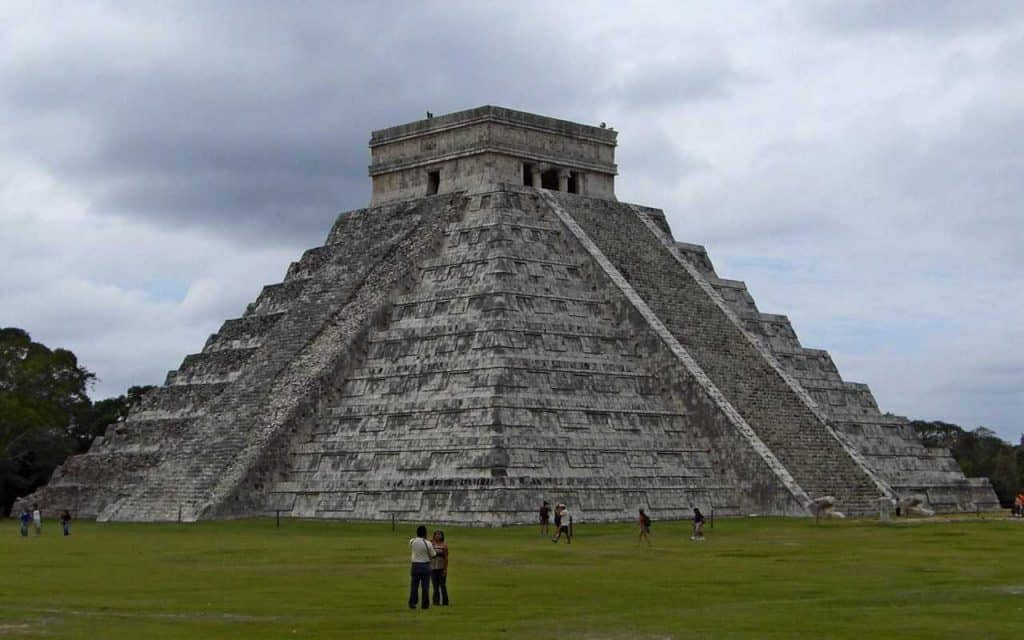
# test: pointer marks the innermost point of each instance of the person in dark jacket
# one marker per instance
(698, 525)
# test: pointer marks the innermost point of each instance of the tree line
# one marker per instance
(45, 412)
(980, 453)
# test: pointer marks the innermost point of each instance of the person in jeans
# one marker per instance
(65, 521)
(439, 569)
(26, 517)
(421, 552)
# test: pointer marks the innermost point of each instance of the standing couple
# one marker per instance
(429, 563)
(35, 517)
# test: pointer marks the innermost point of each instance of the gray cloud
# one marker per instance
(678, 82)
(274, 142)
(857, 164)
(926, 17)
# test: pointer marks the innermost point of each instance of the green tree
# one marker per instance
(41, 393)
(980, 453)
(1004, 476)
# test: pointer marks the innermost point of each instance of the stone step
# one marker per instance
(522, 323)
(242, 333)
(276, 298)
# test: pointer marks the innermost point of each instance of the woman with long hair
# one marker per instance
(439, 569)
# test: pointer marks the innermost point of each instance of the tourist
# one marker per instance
(439, 568)
(545, 517)
(562, 520)
(25, 518)
(37, 519)
(65, 521)
(698, 525)
(1018, 505)
(645, 527)
(421, 551)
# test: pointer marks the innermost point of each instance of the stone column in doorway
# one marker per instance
(563, 180)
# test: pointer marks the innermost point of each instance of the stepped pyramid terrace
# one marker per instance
(493, 330)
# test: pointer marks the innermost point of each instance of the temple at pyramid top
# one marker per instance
(489, 145)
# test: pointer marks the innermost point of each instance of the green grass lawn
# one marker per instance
(753, 578)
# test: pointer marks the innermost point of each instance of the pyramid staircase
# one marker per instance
(185, 449)
(506, 376)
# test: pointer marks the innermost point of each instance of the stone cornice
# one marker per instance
(490, 113)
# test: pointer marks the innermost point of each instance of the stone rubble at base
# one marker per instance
(494, 331)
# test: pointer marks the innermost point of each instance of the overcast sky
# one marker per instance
(859, 165)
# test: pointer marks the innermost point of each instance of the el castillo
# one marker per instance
(496, 328)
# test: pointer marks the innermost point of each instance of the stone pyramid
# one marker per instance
(496, 329)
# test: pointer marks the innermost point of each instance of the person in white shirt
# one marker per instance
(421, 552)
(37, 519)
(562, 521)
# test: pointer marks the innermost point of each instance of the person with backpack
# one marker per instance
(645, 527)
(421, 552)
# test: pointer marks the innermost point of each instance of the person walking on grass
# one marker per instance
(562, 523)
(37, 519)
(698, 525)
(645, 527)
(421, 552)
(25, 518)
(65, 521)
(439, 569)
(545, 517)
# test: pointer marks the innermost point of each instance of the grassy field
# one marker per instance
(753, 578)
